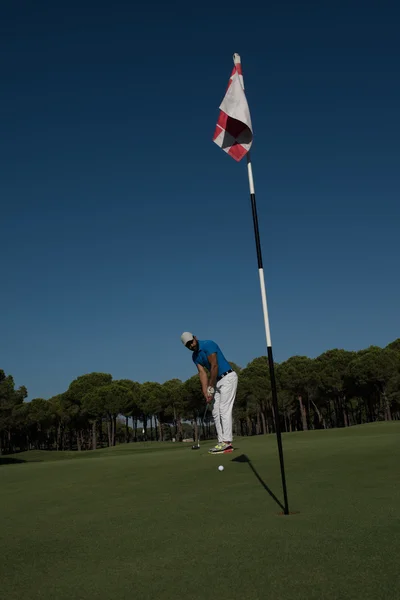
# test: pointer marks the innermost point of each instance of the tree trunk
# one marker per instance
(388, 413)
(160, 429)
(285, 421)
(353, 417)
(386, 404)
(94, 435)
(303, 414)
(249, 426)
(360, 411)
(78, 440)
(320, 417)
(180, 430)
(175, 436)
(370, 412)
(264, 427)
(127, 430)
(109, 431)
(114, 428)
(100, 432)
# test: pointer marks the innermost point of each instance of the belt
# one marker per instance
(223, 374)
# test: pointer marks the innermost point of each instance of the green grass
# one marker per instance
(161, 521)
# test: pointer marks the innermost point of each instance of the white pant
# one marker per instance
(224, 397)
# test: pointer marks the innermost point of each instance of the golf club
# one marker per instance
(197, 446)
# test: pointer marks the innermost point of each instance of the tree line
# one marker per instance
(339, 388)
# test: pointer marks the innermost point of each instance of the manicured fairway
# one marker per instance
(161, 521)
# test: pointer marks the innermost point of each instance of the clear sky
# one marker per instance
(122, 224)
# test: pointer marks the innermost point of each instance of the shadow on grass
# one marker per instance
(243, 458)
(6, 460)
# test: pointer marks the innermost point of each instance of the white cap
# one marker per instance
(186, 337)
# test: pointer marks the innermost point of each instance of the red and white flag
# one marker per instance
(234, 133)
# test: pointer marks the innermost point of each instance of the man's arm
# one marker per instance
(203, 380)
(213, 360)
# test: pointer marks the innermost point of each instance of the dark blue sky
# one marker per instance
(122, 224)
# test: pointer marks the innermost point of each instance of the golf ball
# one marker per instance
(220, 468)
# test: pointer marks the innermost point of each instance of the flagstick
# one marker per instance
(267, 331)
(236, 59)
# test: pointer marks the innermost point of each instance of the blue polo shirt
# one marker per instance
(207, 347)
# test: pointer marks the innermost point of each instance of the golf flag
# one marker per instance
(233, 132)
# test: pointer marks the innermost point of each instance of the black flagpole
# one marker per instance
(269, 344)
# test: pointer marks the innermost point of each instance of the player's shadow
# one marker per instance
(243, 458)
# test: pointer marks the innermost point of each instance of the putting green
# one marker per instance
(163, 522)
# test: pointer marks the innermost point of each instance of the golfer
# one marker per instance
(220, 386)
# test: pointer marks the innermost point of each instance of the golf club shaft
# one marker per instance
(202, 423)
